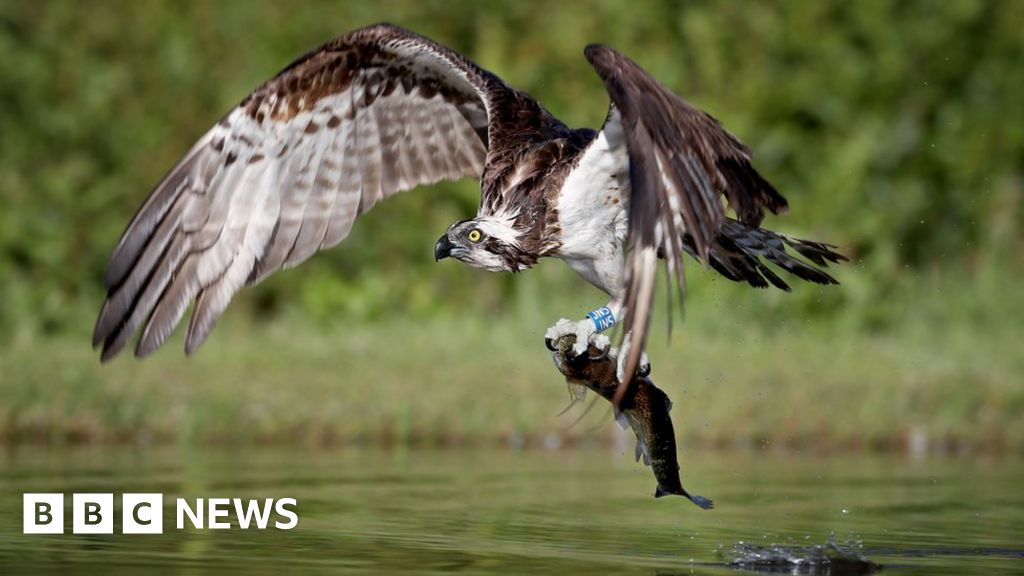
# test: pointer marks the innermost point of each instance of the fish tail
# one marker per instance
(705, 503)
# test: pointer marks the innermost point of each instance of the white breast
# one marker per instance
(592, 210)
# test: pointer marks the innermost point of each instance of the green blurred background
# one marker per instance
(895, 129)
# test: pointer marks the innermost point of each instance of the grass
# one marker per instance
(471, 379)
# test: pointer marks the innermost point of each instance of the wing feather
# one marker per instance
(681, 162)
(421, 128)
(168, 311)
(368, 149)
(314, 214)
(151, 214)
(214, 298)
(346, 201)
(285, 174)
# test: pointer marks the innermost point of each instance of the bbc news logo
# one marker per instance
(143, 513)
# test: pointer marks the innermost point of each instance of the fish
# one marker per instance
(644, 408)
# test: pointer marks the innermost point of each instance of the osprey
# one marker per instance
(382, 110)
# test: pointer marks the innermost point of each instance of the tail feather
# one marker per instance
(740, 251)
(817, 252)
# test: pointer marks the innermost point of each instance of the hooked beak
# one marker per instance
(443, 248)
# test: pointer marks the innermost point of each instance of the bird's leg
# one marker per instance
(587, 331)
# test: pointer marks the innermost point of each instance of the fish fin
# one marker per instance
(705, 503)
(659, 492)
(620, 419)
(577, 393)
(641, 452)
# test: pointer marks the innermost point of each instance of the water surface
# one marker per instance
(492, 512)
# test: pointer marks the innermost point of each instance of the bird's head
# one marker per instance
(484, 242)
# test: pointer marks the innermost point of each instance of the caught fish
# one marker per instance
(647, 413)
(644, 408)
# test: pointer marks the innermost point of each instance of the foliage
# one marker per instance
(798, 385)
(895, 129)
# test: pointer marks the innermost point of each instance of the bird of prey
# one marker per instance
(382, 110)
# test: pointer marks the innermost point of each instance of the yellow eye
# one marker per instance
(475, 235)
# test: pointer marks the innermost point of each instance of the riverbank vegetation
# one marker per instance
(894, 129)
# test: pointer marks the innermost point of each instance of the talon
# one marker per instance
(603, 344)
(554, 335)
(584, 332)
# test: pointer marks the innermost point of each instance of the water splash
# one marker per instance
(829, 559)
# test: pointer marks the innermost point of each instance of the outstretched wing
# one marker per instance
(681, 162)
(285, 174)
